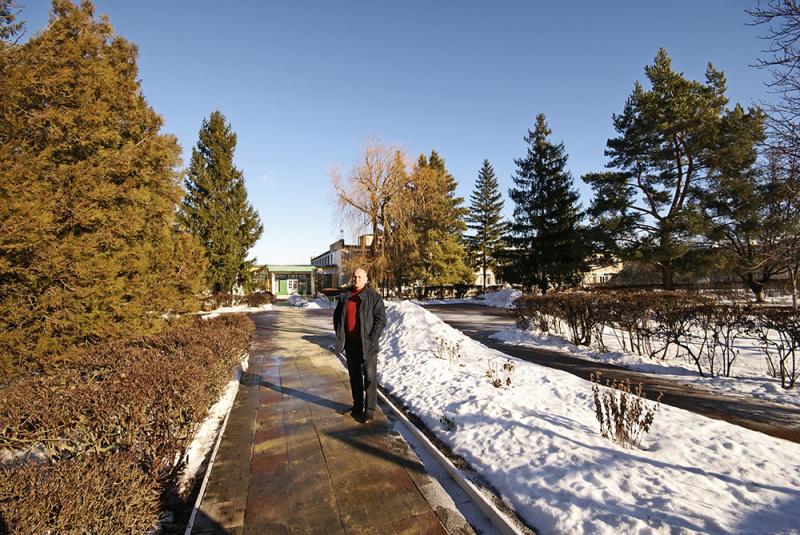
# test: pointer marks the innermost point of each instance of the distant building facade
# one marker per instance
(285, 280)
(331, 266)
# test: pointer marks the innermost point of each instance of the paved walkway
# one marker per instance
(289, 462)
(779, 420)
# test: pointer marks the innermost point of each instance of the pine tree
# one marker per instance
(88, 192)
(485, 220)
(439, 225)
(215, 208)
(668, 140)
(10, 27)
(549, 245)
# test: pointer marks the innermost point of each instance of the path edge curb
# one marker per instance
(217, 442)
(499, 520)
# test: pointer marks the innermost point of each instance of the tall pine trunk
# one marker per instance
(755, 286)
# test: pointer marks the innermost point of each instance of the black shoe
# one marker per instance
(367, 417)
(354, 411)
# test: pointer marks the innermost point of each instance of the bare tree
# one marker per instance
(782, 21)
(370, 195)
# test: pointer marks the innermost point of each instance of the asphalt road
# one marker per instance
(779, 420)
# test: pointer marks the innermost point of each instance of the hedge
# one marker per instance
(659, 324)
(110, 425)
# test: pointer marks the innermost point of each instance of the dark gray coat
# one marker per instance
(372, 318)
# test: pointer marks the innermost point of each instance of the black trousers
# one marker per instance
(362, 375)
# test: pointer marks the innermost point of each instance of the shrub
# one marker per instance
(109, 494)
(498, 378)
(446, 350)
(675, 316)
(623, 415)
(629, 314)
(729, 322)
(447, 421)
(141, 399)
(778, 331)
(256, 299)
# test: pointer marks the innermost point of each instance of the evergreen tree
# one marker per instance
(549, 245)
(215, 208)
(88, 192)
(438, 221)
(668, 139)
(485, 220)
(10, 27)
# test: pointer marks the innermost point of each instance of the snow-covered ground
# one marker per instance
(538, 443)
(319, 302)
(236, 309)
(501, 299)
(748, 376)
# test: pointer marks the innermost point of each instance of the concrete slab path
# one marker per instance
(290, 462)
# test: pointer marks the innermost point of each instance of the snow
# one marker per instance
(319, 302)
(500, 299)
(236, 309)
(538, 443)
(206, 434)
(748, 377)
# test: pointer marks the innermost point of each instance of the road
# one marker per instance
(779, 420)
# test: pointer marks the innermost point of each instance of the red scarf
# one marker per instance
(352, 327)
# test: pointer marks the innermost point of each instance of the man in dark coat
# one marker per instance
(358, 320)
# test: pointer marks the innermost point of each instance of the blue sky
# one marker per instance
(305, 84)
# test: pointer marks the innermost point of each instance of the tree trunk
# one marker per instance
(667, 277)
(793, 272)
(757, 287)
(483, 265)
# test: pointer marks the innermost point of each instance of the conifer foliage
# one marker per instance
(215, 208)
(485, 220)
(672, 139)
(549, 245)
(88, 192)
(438, 223)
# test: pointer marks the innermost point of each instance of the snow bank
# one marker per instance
(501, 299)
(237, 309)
(206, 434)
(538, 444)
(319, 302)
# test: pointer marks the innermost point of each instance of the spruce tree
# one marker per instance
(549, 245)
(438, 224)
(485, 220)
(215, 208)
(88, 192)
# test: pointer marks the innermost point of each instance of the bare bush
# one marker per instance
(500, 375)
(623, 414)
(778, 331)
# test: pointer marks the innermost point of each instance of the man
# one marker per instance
(358, 321)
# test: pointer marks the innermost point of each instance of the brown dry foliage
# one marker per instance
(108, 494)
(140, 398)
(623, 415)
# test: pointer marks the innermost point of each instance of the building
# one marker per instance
(491, 278)
(332, 266)
(601, 274)
(285, 280)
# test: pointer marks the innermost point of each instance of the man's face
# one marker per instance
(359, 279)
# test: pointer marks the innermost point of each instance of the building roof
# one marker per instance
(277, 268)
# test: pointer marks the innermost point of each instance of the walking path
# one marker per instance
(290, 462)
(774, 419)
